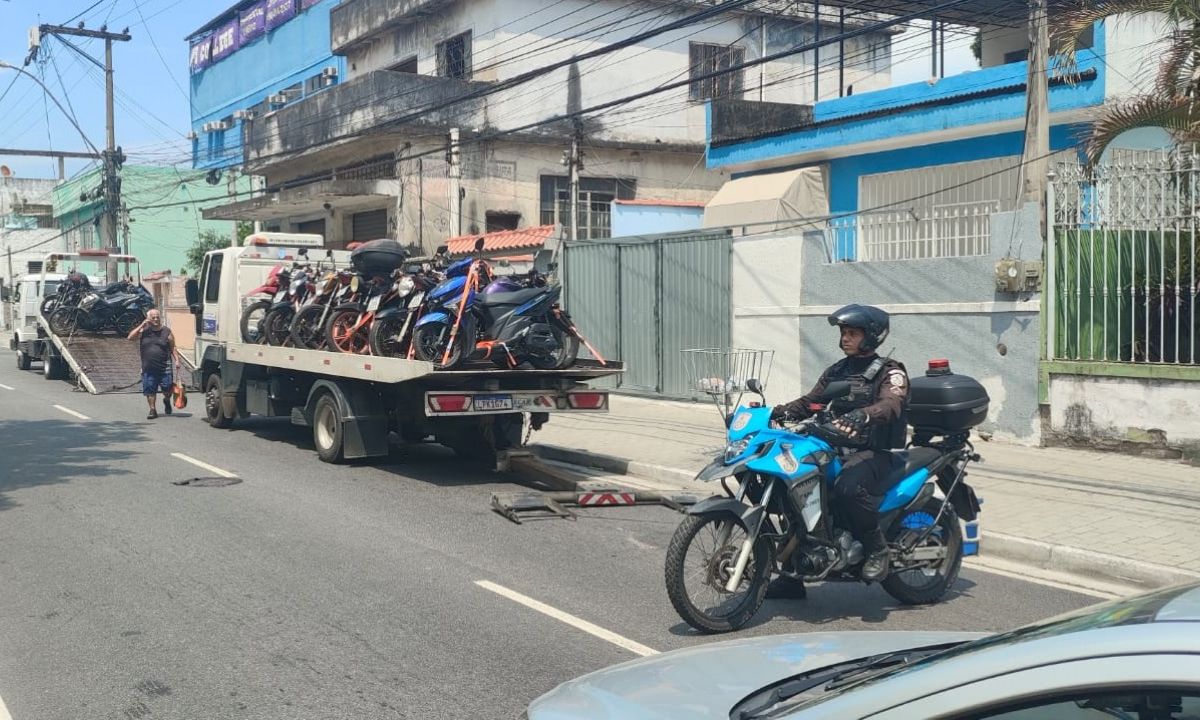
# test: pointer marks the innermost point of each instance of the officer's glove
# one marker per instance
(853, 423)
(783, 413)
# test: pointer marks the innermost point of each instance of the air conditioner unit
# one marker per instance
(215, 126)
(329, 72)
(278, 99)
(243, 115)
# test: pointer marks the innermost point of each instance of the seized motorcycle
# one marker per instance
(778, 518)
(101, 312)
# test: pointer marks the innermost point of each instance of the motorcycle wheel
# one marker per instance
(926, 585)
(64, 321)
(49, 305)
(568, 350)
(276, 326)
(385, 337)
(128, 320)
(251, 323)
(697, 570)
(341, 335)
(307, 330)
(430, 345)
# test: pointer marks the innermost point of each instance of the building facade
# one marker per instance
(374, 156)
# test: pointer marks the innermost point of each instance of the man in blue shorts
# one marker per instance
(157, 349)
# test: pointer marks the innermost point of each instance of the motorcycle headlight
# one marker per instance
(405, 285)
(296, 285)
(737, 447)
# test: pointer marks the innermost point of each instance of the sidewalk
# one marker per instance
(1124, 520)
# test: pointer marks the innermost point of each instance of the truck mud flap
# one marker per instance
(364, 421)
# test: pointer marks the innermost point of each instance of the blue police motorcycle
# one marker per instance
(776, 516)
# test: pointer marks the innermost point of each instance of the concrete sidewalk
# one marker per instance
(1132, 522)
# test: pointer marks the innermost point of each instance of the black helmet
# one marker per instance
(874, 323)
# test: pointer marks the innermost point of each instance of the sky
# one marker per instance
(151, 76)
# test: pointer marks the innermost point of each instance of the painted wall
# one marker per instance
(784, 287)
(290, 54)
(158, 236)
(1099, 410)
(511, 37)
(1135, 46)
(654, 219)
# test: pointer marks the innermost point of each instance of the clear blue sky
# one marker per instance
(152, 114)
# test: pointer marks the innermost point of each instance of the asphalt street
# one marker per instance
(302, 590)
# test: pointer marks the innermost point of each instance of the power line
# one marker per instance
(138, 5)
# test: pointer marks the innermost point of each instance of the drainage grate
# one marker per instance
(207, 482)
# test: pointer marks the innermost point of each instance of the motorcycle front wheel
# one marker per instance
(430, 345)
(64, 321)
(343, 333)
(308, 327)
(251, 322)
(49, 305)
(128, 320)
(276, 326)
(700, 561)
(385, 337)
(926, 582)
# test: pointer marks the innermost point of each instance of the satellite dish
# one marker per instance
(4, 171)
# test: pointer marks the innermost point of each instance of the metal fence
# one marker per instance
(945, 230)
(1122, 258)
(645, 300)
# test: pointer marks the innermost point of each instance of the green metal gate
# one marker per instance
(645, 299)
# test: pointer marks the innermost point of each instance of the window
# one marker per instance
(706, 58)
(1101, 705)
(407, 66)
(1016, 56)
(595, 203)
(369, 225)
(212, 278)
(454, 57)
(495, 221)
(313, 84)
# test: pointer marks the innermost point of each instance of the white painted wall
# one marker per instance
(511, 37)
(1134, 46)
(765, 278)
(1000, 40)
(1110, 408)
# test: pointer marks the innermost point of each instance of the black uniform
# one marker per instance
(880, 390)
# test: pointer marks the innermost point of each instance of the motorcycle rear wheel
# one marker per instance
(307, 328)
(128, 320)
(251, 322)
(64, 321)
(925, 586)
(276, 326)
(430, 345)
(341, 335)
(710, 608)
(385, 337)
(568, 350)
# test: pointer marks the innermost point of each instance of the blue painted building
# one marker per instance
(916, 170)
(654, 217)
(253, 59)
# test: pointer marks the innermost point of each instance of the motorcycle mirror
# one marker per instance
(754, 386)
(441, 250)
(835, 390)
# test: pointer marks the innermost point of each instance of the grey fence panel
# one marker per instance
(696, 309)
(643, 300)
(591, 284)
(639, 294)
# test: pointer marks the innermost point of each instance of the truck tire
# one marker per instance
(328, 432)
(51, 367)
(213, 413)
(23, 360)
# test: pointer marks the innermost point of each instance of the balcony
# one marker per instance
(373, 102)
(353, 21)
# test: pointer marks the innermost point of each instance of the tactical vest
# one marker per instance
(864, 391)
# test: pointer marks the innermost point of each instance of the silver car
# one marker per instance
(1131, 659)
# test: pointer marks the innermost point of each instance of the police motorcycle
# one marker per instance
(776, 516)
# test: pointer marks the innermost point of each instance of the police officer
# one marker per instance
(871, 418)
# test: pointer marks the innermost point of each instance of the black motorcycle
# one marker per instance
(100, 312)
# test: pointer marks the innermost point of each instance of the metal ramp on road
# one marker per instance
(102, 363)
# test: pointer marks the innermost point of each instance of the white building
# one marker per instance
(27, 227)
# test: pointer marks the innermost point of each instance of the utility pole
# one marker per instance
(1035, 160)
(113, 157)
(231, 191)
(574, 163)
(454, 158)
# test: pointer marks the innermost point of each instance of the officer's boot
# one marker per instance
(875, 567)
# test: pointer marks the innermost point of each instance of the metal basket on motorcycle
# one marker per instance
(721, 373)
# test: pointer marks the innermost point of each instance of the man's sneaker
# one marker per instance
(153, 414)
(875, 567)
(167, 404)
(786, 588)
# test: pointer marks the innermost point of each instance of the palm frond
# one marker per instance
(1068, 26)
(1174, 72)
(1177, 115)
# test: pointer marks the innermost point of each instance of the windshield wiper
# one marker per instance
(832, 678)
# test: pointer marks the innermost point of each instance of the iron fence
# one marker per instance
(1122, 259)
(942, 230)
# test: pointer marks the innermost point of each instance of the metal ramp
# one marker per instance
(101, 363)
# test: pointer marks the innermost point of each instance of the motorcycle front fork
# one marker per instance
(743, 558)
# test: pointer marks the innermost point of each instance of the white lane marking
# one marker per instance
(202, 465)
(5, 387)
(1024, 573)
(579, 623)
(4, 711)
(72, 413)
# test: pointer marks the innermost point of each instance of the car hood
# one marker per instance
(708, 680)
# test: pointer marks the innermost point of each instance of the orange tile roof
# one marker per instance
(532, 237)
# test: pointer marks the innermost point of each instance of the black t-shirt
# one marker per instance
(156, 349)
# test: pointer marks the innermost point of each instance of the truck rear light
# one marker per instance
(449, 403)
(587, 400)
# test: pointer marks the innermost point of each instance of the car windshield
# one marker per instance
(1136, 611)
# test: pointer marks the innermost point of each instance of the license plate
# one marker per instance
(281, 296)
(493, 402)
(415, 300)
(374, 304)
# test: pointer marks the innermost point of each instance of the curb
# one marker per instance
(1034, 553)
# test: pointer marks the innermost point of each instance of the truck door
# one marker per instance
(209, 327)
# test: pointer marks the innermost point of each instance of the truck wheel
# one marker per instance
(327, 429)
(50, 367)
(23, 360)
(212, 403)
